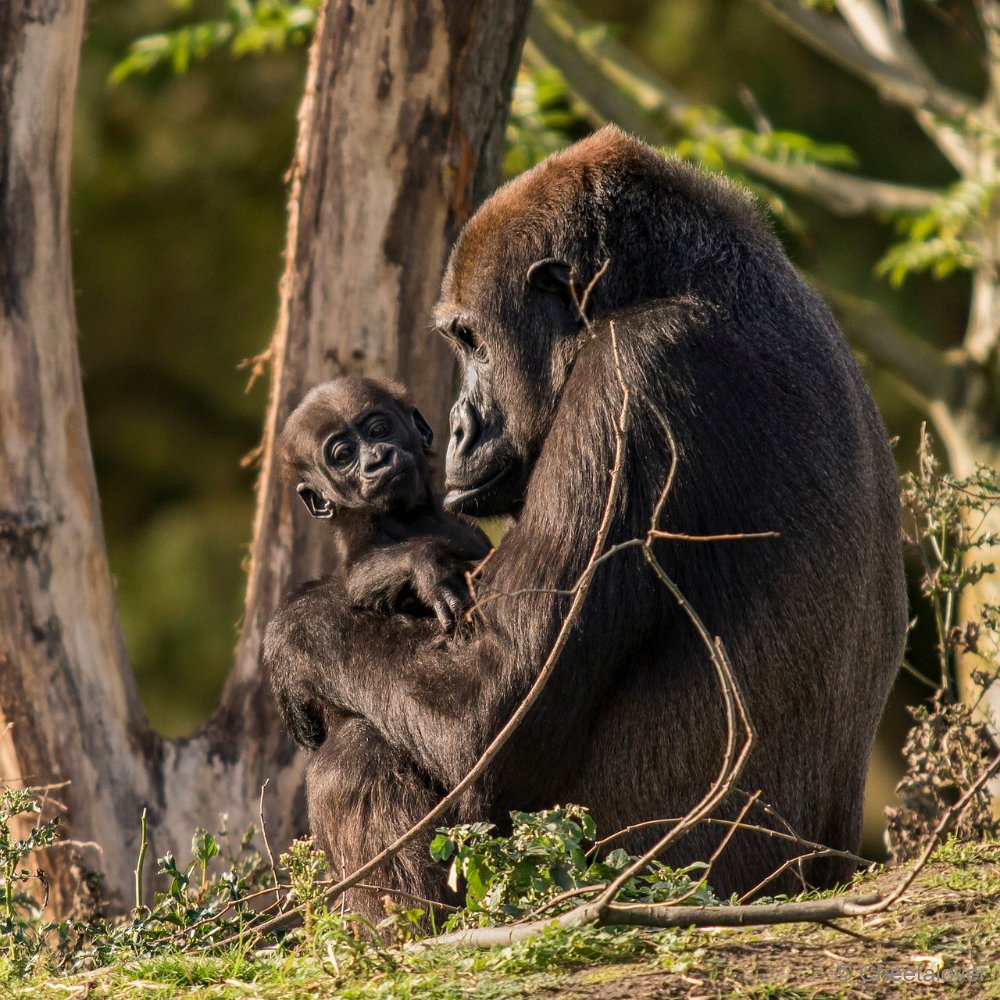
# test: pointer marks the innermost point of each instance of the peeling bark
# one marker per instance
(401, 133)
(419, 92)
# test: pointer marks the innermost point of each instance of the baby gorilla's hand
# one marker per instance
(425, 571)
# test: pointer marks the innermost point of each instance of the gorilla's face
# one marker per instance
(516, 345)
(355, 444)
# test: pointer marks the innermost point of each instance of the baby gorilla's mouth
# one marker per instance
(389, 483)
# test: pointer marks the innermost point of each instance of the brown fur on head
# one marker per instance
(512, 293)
(326, 447)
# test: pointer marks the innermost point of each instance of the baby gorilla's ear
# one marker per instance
(316, 505)
(423, 428)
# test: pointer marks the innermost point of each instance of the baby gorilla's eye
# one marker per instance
(340, 453)
(380, 428)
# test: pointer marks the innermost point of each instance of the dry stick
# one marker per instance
(581, 304)
(736, 824)
(675, 536)
(470, 581)
(788, 863)
(632, 543)
(580, 595)
(403, 894)
(716, 854)
(267, 844)
(141, 860)
(656, 915)
(35, 788)
(950, 817)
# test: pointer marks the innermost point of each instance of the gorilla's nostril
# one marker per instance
(465, 429)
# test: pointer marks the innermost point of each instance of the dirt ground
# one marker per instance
(943, 938)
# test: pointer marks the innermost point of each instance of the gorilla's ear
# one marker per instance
(423, 428)
(316, 505)
(552, 275)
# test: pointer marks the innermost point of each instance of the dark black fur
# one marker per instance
(775, 431)
(355, 447)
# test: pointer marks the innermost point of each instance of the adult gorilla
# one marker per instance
(775, 431)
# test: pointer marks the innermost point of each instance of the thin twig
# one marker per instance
(675, 536)
(141, 860)
(413, 897)
(947, 821)
(501, 738)
(788, 863)
(750, 827)
(267, 845)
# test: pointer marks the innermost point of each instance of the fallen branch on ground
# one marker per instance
(658, 915)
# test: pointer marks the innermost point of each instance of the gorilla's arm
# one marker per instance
(444, 699)
(422, 692)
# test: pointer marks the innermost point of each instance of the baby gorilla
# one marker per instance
(357, 450)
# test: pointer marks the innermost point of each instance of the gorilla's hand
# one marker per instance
(423, 571)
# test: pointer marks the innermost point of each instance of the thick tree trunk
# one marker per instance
(65, 685)
(401, 132)
(400, 136)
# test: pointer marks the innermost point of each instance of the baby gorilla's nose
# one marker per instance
(378, 459)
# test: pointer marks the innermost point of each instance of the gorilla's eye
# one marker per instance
(339, 453)
(472, 343)
(379, 428)
(467, 337)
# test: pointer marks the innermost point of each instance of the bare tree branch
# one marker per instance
(890, 345)
(580, 595)
(871, 27)
(897, 83)
(618, 87)
(740, 825)
(810, 911)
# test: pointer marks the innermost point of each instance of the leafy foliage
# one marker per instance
(950, 521)
(199, 906)
(729, 143)
(544, 118)
(545, 857)
(727, 149)
(21, 929)
(942, 239)
(247, 26)
(223, 889)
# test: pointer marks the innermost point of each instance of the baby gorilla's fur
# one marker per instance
(356, 448)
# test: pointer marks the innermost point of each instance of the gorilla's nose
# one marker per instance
(379, 459)
(465, 429)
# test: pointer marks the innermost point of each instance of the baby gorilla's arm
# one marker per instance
(427, 569)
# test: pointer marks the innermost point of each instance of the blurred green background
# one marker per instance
(179, 209)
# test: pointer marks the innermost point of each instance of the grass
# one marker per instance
(948, 924)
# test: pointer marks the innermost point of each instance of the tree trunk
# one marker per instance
(400, 137)
(401, 132)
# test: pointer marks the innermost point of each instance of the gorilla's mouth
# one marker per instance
(464, 498)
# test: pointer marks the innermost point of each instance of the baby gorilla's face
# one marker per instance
(356, 445)
(369, 461)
